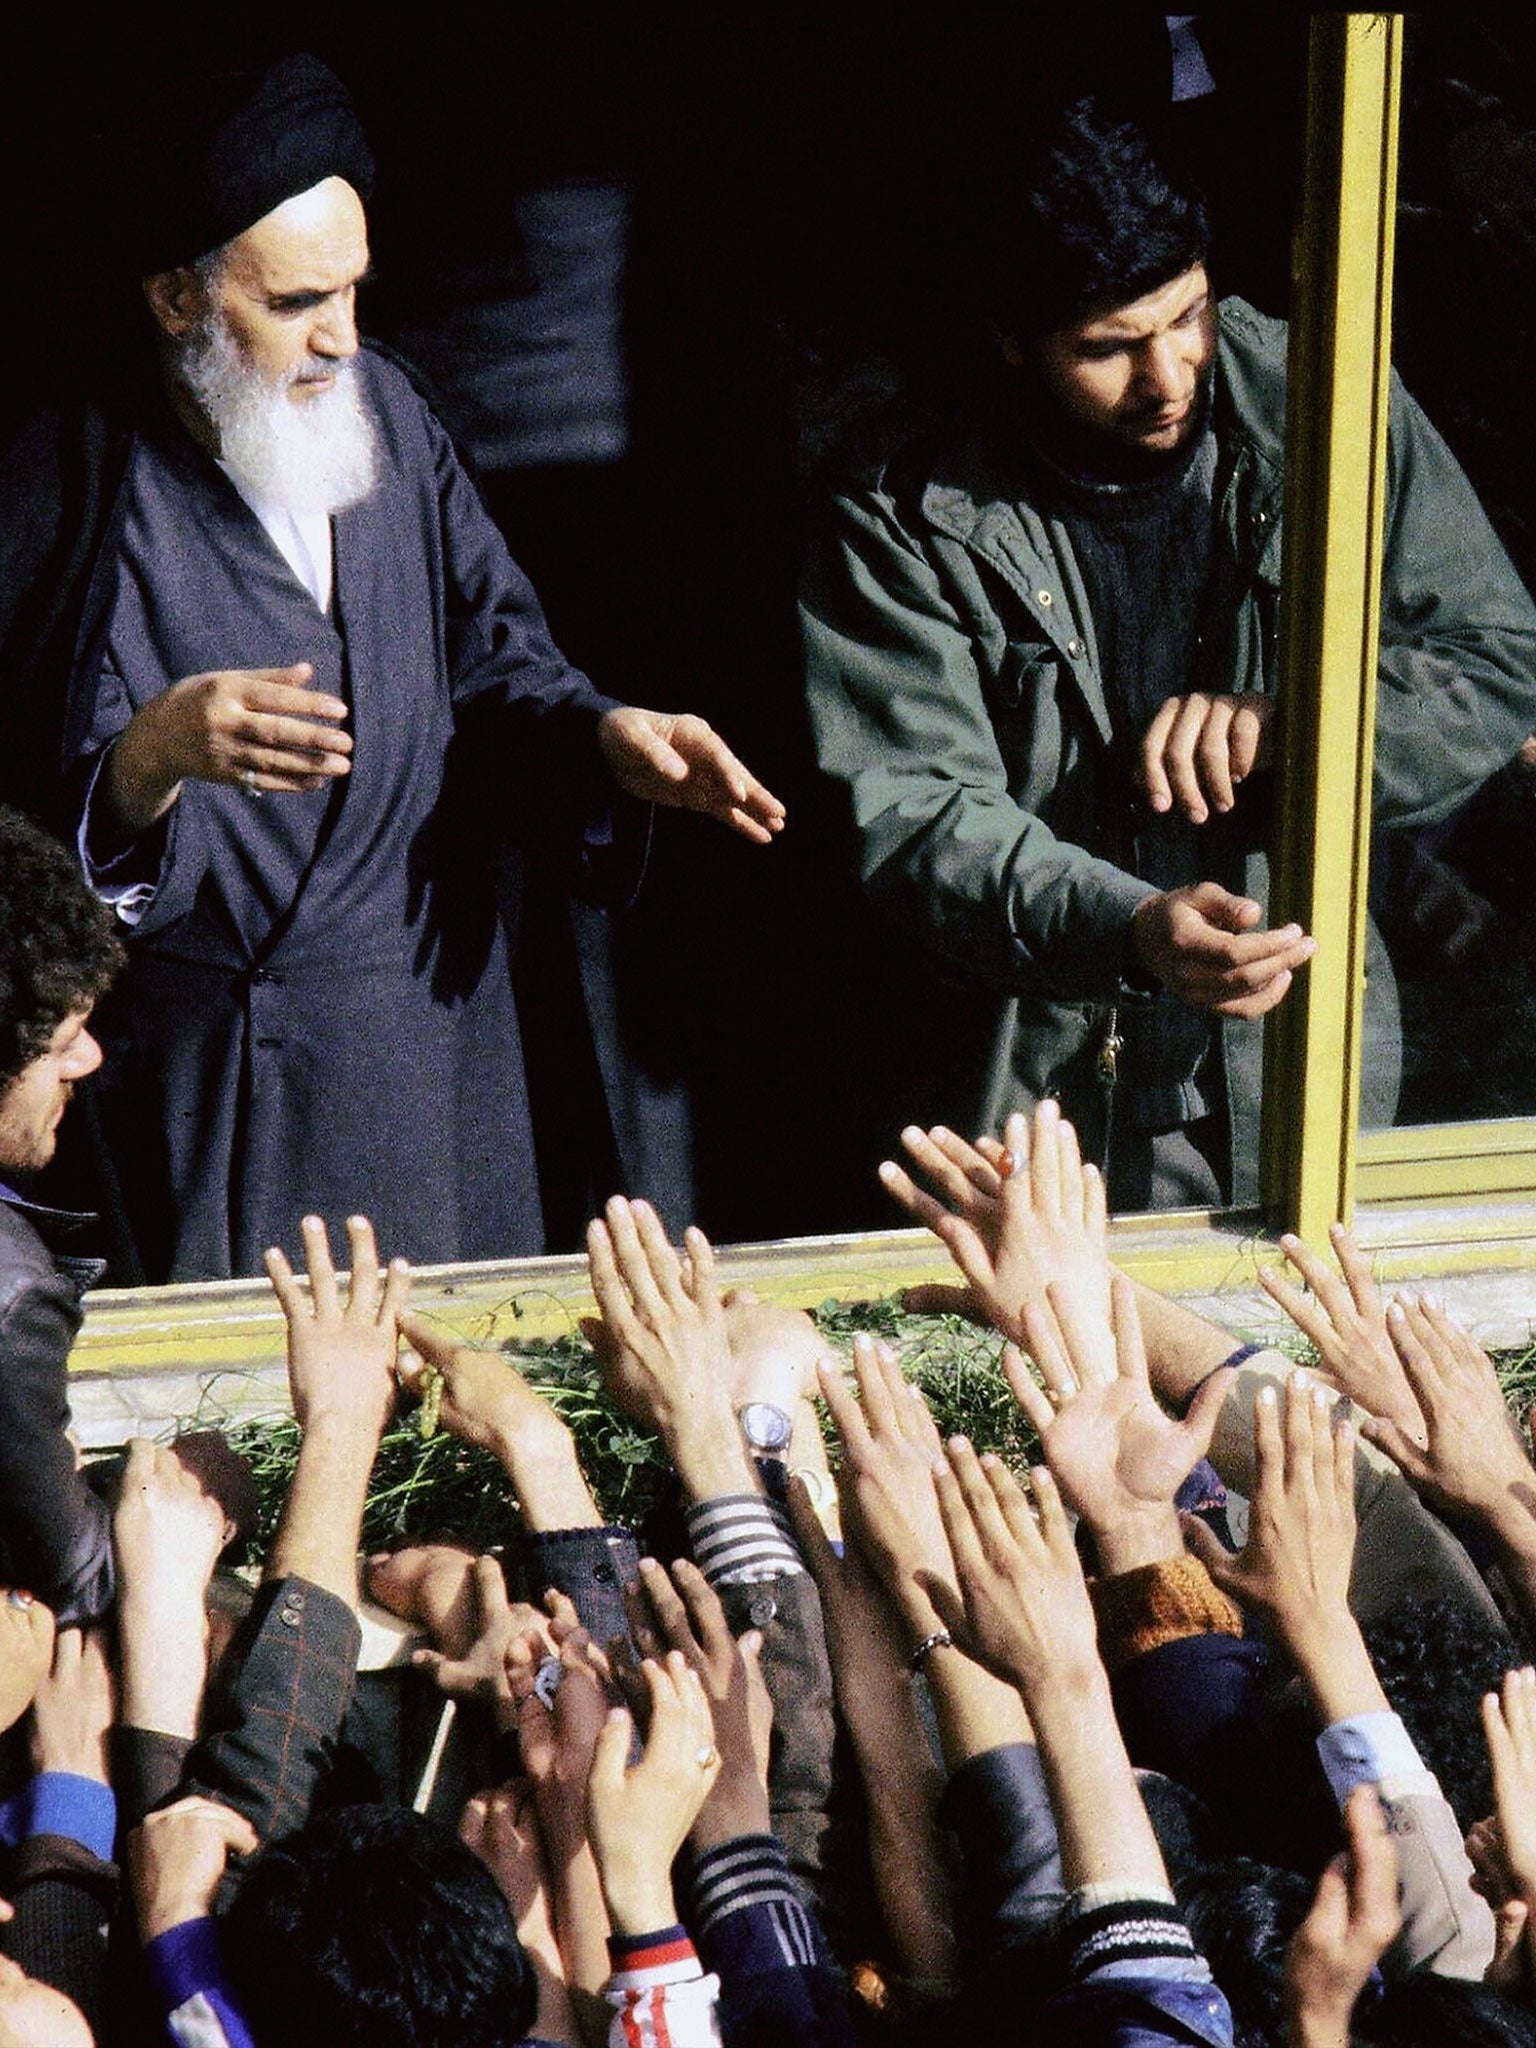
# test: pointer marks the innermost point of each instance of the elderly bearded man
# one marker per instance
(310, 704)
(1040, 632)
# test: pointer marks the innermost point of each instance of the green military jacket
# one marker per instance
(956, 699)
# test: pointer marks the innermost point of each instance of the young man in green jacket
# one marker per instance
(1040, 632)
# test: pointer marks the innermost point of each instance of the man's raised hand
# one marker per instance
(1014, 1218)
(663, 1346)
(1469, 1459)
(890, 1445)
(1206, 946)
(675, 758)
(260, 727)
(1199, 749)
(1295, 1566)
(1345, 1319)
(1021, 1604)
(1117, 1456)
(1354, 1919)
(341, 1355)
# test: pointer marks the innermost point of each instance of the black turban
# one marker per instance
(230, 148)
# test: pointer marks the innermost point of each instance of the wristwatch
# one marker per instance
(765, 1427)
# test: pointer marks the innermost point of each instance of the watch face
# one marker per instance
(765, 1427)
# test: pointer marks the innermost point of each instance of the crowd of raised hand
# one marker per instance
(866, 1745)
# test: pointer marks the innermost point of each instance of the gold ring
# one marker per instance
(707, 1757)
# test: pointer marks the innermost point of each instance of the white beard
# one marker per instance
(314, 455)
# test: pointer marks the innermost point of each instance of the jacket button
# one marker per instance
(1043, 597)
(289, 1618)
(1074, 648)
(762, 1609)
(1261, 519)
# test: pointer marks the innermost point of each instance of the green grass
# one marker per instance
(437, 1487)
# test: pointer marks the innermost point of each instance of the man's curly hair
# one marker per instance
(57, 948)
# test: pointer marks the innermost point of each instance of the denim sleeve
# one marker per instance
(591, 1567)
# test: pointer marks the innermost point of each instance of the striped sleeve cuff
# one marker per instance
(667, 1957)
(749, 1913)
(740, 1538)
(1100, 1936)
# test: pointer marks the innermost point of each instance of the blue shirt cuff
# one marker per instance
(81, 1809)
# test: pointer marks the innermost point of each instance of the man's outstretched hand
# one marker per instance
(1207, 947)
(668, 757)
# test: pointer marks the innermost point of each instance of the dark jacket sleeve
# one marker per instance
(591, 1567)
(64, 1897)
(798, 1674)
(54, 1531)
(275, 1722)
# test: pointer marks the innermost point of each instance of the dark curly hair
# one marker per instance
(1435, 1660)
(374, 1927)
(57, 948)
(1086, 216)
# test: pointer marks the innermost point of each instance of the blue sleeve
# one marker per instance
(82, 1810)
(757, 1931)
(186, 1977)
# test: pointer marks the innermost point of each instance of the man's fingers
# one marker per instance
(917, 1202)
(1258, 1004)
(847, 1415)
(666, 1267)
(1038, 1412)
(1045, 1159)
(1154, 776)
(1048, 1350)
(633, 1258)
(284, 1285)
(874, 1387)
(365, 1283)
(1247, 735)
(667, 1605)
(302, 736)
(1180, 758)
(1213, 755)
(1205, 1411)
(1394, 1443)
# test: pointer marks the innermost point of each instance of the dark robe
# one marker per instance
(317, 1012)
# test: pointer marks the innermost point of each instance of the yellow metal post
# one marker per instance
(1341, 306)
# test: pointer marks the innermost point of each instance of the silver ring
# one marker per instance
(248, 778)
(546, 1680)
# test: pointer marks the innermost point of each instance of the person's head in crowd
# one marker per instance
(1243, 1916)
(252, 240)
(57, 956)
(373, 1927)
(1094, 280)
(1436, 1659)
